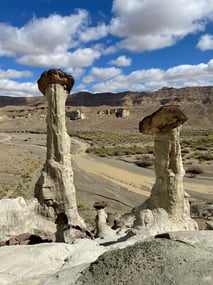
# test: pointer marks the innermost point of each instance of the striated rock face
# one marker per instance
(168, 207)
(55, 189)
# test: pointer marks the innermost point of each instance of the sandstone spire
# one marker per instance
(167, 206)
(55, 189)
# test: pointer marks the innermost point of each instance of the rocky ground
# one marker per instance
(179, 258)
(158, 261)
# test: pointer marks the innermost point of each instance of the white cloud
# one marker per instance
(43, 35)
(11, 73)
(187, 71)
(147, 42)
(205, 42)
(152, 79)
(52, 41)
(81, 87)
(109, 50)
(12, 88)
(76, 72)
(154, 24)
(112, 80)
(81, 57)
(121, 61)
(94, 33)
(101, 74)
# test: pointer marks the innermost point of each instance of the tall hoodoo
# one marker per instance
(55, 189)
(167, 201)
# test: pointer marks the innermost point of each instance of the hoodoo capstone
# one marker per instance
(55, 189)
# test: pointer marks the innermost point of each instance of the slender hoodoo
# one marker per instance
(55, 189)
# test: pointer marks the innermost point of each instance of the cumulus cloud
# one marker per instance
(112, 80)
(154, 24)
(52, 41)
(94, 33)
(10, 87)
(81, 57)
(16, 89)
(76, 72)
(109, 50)
(42, 35)
(11, 73)
(205, 42)
(121, 61)
(152, 79)
(101, 74)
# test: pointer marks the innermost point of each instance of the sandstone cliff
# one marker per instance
(198, 95)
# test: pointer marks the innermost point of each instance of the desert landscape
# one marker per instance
(112, 162)
(102, 145)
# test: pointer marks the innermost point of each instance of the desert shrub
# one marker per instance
(185, 150)
(112, 139)
(25, 177)
(195, 154)
(102, 151)
(145, 161)
(119, 150)
(194, 169)
(205, 156)
(202, 147)
(185, 143)
(80, 206)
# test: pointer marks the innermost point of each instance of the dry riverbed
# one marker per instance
(123, 185)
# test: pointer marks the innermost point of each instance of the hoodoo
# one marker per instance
(55, 189)
(167, 208)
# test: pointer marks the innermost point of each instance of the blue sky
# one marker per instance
(108, 46)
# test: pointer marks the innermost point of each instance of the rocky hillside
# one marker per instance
(198, 95)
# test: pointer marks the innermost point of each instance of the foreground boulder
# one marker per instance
(161, 261)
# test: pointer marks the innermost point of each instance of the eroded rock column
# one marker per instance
(102, 229)
(55, 189)
(167, 207)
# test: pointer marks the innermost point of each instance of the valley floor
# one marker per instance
(123, 185)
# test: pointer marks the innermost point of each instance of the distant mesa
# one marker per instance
(196, 95)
